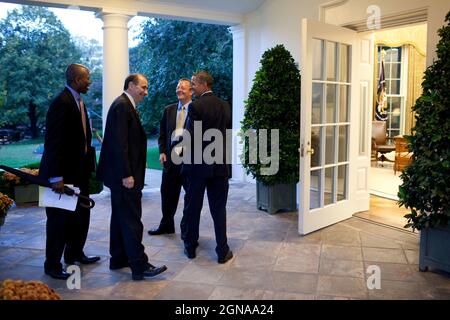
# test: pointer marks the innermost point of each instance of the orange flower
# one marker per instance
(26, 290)
(5, 203)
(15, 180)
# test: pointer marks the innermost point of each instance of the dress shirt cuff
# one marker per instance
(55, 179)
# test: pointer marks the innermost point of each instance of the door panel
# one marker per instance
(329, 125)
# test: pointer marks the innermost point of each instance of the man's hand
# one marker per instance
(128, 182)
(58, 187)
(162, 158)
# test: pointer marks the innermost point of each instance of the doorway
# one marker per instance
(402, 52)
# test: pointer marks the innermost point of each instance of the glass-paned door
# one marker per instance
(330, 122)
(329, 125)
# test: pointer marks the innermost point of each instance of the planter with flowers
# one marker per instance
(22, 191)
(5, 203)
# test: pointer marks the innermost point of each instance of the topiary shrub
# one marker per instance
(426, 182)
(274, 103)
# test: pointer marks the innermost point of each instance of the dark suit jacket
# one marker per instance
(64, 154)
(214, 113)
(124, 147)
(166, 127)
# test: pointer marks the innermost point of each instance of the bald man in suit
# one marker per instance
(122, 169)
(68, 158)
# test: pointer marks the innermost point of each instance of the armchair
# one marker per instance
(403, 156)
(379, 142)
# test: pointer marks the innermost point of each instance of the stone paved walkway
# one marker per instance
(271, 261)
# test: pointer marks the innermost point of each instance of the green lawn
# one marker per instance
(153, 158)
(20, 154)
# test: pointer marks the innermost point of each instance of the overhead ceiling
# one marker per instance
(227, 12)
(229, 6)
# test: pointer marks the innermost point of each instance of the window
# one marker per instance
(394, 66)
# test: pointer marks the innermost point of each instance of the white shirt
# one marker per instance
(131, 99)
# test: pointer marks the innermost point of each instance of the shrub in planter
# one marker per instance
(426, 181)
(274, 103)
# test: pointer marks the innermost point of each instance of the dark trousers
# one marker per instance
(217, 192)
(126, 230)
(171, 184)
(66, 233)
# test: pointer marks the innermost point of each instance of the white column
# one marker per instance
(115, 56)
(239, 95)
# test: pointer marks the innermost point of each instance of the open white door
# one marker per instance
(334, 154)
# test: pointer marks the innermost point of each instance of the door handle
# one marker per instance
(302, 150)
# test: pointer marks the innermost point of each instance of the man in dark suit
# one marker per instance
(211, 174)
(68, 158)
(170, 129)
(122, 169)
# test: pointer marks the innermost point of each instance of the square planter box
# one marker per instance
(26, 194)
(435, 249)
(276, 197)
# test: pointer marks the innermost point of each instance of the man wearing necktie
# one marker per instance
(68, 159)
(122, 168)
(170, 131)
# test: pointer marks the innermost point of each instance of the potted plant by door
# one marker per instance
(274, 103)
(426, 181)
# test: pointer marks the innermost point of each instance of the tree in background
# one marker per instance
(35, 49)
(170, 50)
(92, 57)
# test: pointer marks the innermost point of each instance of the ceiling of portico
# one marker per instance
(232, 6)
(215, 11)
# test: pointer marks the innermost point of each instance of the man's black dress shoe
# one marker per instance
(225, 258)
(84, 260)
(159, 230)
(150, 272)
(61, 275)
(189, 253)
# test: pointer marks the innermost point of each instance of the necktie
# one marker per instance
(180, 120)
(83, 121)
(179, 127)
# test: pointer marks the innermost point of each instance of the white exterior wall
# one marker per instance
(275, 22)
(355, 10)
(279, 22)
